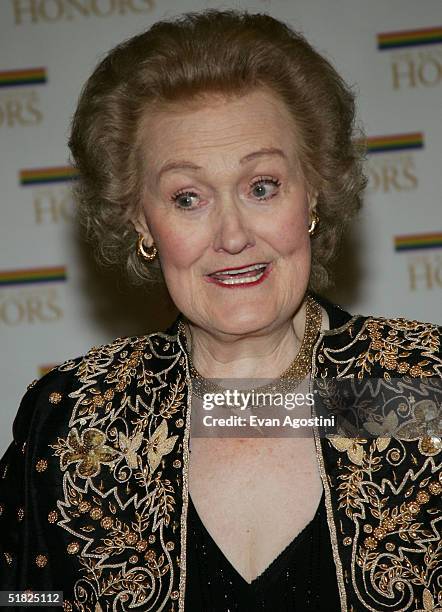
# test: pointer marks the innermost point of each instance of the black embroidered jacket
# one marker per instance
(94, 491)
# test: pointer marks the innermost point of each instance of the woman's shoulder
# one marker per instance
(372, 343)
(85, 384)
(400, 331)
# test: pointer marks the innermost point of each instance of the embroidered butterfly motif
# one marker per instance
(130, 446)
(159, 444)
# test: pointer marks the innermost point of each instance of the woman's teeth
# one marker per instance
(241, 275)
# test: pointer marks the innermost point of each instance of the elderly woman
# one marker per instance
(217, 151)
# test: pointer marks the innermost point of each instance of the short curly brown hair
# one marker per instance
(180, 60)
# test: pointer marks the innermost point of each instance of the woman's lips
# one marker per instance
(248, 276)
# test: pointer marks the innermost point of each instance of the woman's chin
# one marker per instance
(243, 321)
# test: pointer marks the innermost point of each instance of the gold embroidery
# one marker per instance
(73, 548)
(429, 605)
(55, 397)
(122, 418)
(159, 445)
(326, 485)
(96, 514)
(84, 506)
(106, 522)
(89, 451)
(130, 425)
(41, 560)
(52, 516)
(130, 448)
(384, 486)
(41, 465)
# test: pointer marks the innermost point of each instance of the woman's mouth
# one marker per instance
(245, 276)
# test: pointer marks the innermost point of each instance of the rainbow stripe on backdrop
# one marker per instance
(26, 76)
(414, 242)
(409, 38)
(395, 142)
(28, 276)
(42, 176)
(45, 368)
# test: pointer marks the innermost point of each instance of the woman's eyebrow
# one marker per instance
(181, 164)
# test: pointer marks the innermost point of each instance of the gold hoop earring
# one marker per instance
(150, 253)
(313, 223)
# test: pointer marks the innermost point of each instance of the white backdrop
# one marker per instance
(55, 303)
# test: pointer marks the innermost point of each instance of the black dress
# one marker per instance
(301, 579)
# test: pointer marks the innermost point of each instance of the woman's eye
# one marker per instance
(183, 199)
(265, 188)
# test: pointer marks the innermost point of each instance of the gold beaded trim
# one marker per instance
(293, 375)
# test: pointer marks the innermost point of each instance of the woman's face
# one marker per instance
(228, 210)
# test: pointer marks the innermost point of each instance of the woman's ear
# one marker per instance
(312, 199)
(140, 224)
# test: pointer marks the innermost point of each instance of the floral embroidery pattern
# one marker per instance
(387, 486)
(130, 394)
(89, 452)
(426, 427)
(117, 469)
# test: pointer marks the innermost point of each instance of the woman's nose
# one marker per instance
(233, 232)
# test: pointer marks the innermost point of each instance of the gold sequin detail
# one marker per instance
(170, 545)
(52, 516)
(98, 400)
(141, 545)
(133, 559)
(390, 546)
(413, 507)
(422, 497)
(96, 513)
(395, 455)
(67, 606)
(8, 558)
(368, 528)
(435, 488)
(84, 506)
(174, 595)
(152, 538)
(41, 560)
(55, 397)
(347, 541)
(20, 514)
(106, 522)
(389, 524)
(177, 463)
(131, 538)
(370, 543)
(41, 465)
(379, 533)
(73, 548)
(179, 422)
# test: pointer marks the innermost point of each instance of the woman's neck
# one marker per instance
(264, 355)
